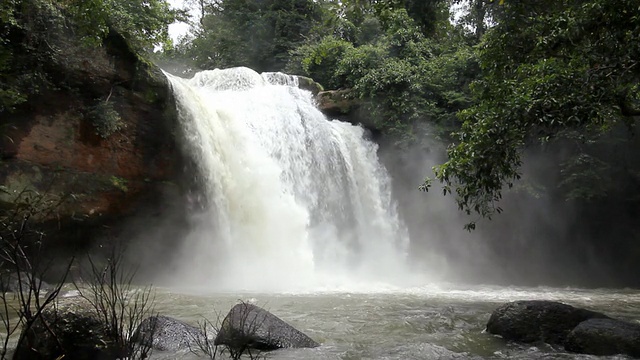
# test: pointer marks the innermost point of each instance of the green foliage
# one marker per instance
(402, 76)
(426, 14)
(9, 95)
(119, 183)
(144, 24)
(256, 34)
(547, 66)
(30, 32)
(12, 84)
(402, 58)
(320, 61)
(105, 119)
(583, 174)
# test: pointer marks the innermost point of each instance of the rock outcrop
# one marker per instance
(605, 337)
(337, 102)
(307, 83)
(537, 320)
(578, 330)
(343, 105)
(99, 136)
(250, 327)
(168, 334)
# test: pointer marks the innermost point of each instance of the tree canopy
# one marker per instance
(256, 34)
(547, 67)
(506, 76)
(26, 27)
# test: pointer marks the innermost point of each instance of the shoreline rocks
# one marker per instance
(537, 320)
(168, 334)
(577, 330)
(247, 326)
(605, 337)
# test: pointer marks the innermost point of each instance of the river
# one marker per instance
(435, 322)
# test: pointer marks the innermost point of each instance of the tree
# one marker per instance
(34, 31)
(548, 66)
(143, 23)
(402, 76)
(256, 34)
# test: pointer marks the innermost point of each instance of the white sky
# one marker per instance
(177, 29)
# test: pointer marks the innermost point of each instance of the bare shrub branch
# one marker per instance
(23, 294)
(120, 305)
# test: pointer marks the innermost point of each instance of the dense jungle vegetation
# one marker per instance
(490, 78)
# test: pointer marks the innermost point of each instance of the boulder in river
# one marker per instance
(168, 334)
(250, 327)
(70, 330)
(537, 320)
(605, 337)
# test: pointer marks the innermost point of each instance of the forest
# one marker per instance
(493, 82)
(489, 82)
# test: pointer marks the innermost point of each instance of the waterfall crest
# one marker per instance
(290, 200)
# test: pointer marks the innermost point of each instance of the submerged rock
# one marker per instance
(168, 334)
(537, 320)
(249, 326)
(605, 337)
(14, 282)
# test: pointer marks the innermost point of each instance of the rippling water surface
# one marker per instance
(445, 322)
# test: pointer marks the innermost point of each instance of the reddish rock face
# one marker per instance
(51, 144)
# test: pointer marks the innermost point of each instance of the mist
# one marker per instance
(541, 239)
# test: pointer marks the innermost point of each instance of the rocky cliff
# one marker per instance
(99, 135)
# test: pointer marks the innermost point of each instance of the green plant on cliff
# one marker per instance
(21, 61)
(105, 119)
(9, 95)
(119, 183)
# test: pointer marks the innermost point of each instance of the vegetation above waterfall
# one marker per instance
(502, 83)
(28, 29)
(504, 76)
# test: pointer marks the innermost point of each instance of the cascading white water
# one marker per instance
(293, 201)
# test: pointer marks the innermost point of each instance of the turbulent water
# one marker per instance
(288, 200)
(294, 212)
(434, 322)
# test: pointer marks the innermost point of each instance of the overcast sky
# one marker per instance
(179, 28)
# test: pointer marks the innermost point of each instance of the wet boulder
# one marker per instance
(309, 84)
(250, 327)
(605, 337)
(337, 102)
(72, 330)
(537, 320)
(168, 334)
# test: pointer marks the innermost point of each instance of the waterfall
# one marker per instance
(290, 200)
